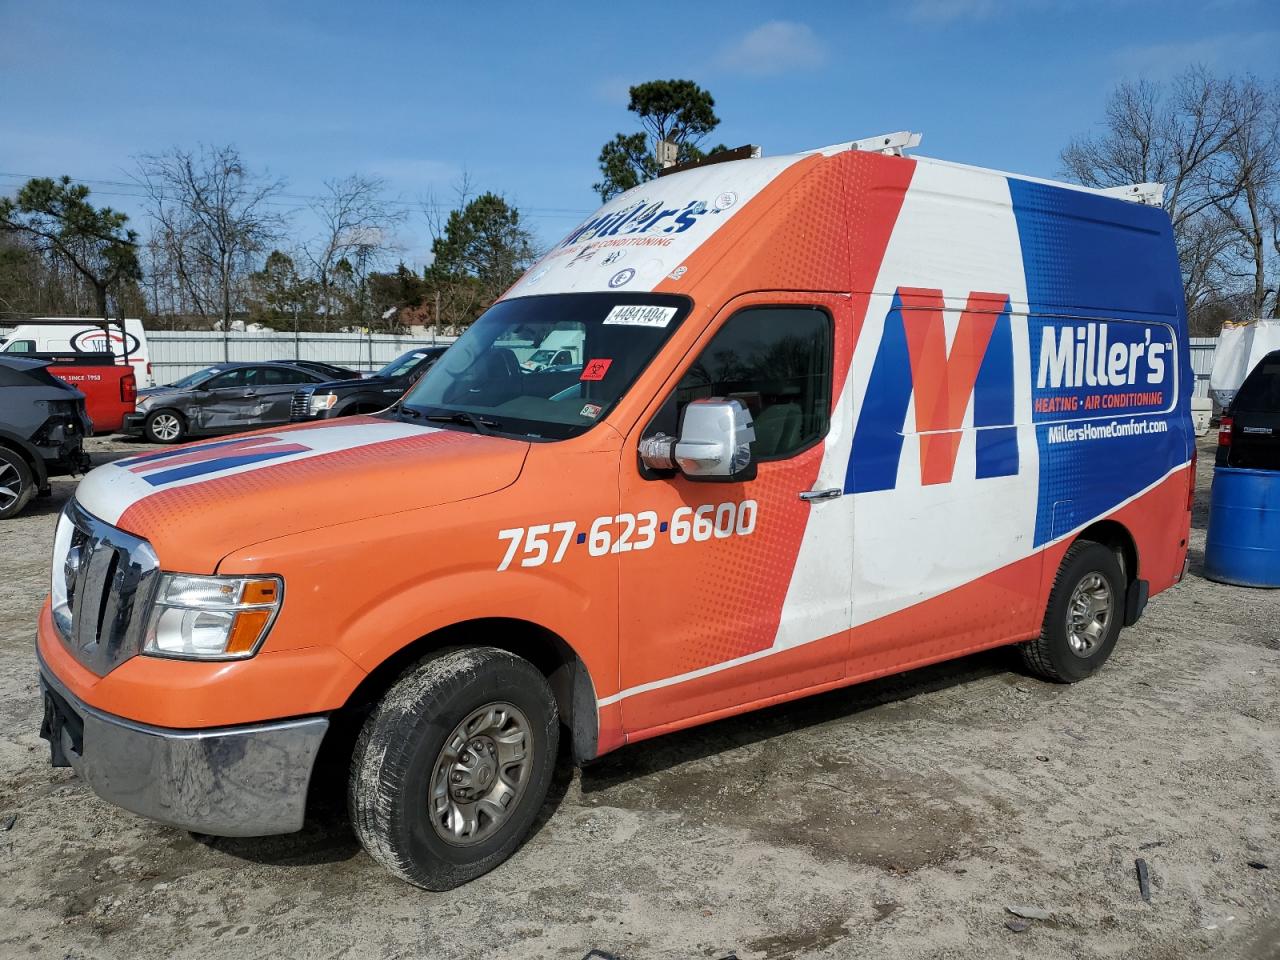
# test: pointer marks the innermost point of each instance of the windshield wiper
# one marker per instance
(462, 416)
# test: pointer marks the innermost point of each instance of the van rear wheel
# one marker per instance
(452, 766)
(1083, 618)
(17, 483)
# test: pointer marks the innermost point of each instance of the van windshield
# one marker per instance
(485, 381)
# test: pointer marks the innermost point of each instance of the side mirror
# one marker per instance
(714, 443)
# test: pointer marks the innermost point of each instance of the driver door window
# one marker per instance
(777, 362)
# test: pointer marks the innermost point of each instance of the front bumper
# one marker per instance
(242, 781)
(133, 423)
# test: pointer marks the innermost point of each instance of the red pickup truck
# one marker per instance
(110, 388)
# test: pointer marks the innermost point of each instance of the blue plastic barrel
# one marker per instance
(1243, 542)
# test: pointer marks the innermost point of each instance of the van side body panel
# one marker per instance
(963, 509)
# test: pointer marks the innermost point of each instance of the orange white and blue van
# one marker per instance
(837, 415)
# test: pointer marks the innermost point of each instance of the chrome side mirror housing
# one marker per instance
(714, 442)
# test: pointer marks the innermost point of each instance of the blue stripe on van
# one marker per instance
(1087, 256)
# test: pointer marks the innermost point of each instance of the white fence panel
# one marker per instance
(175, 353)
(1202, 350)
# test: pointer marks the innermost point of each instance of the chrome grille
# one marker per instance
(300, 407)
(102, 584)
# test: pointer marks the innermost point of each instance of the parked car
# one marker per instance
(125, 339)
(330, 371)
(1249, 435)
(849, 420)
(109, 387)
(220, 399)
(42, 428)
(346, 397)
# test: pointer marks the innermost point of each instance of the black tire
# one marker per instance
(149, 426)
(1051, 655)
(17, 479)
(399, 753)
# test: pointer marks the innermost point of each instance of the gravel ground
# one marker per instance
(895, 819)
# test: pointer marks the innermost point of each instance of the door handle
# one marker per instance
(830, 493)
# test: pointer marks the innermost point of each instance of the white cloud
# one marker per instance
(614, 90)
(941, 12)
(947, 11)
(1222, 50)
(414, 172)
(779, 46)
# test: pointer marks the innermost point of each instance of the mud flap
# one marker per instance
(1135, 601)
(59, 717)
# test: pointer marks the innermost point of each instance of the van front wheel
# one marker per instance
(453, 765)
(1083, 618)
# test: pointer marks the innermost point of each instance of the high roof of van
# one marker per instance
(837, 219)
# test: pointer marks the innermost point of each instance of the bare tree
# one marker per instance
(212, 216)
(1252, 169)
(358, 225)
(1273, 215)
(1178, 136)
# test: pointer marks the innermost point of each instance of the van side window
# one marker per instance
(777, 361)
(21, 346)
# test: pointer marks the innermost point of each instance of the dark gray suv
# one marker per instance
(42, 429)
(225, 398)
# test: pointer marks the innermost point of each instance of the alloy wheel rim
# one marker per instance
(165, 426)
(10, 485)
(1088, 614)
(481, 773)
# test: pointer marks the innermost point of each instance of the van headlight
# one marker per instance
(214, 618)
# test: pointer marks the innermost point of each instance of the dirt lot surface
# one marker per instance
(896, 819)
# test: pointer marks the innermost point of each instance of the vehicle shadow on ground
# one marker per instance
(327, 836)
(49, 506)
(655, 756)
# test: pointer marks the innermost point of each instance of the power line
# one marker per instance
(565, 213)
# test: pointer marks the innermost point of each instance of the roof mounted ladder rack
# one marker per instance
(1151, 194)
(890, 144)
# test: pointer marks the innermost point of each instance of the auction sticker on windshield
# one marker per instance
(638, 315)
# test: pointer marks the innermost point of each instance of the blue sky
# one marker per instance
(520, 97)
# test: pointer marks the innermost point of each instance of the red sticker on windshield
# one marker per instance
(595, 369)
